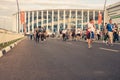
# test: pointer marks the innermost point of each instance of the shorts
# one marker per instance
(78, 34)
(90, 35)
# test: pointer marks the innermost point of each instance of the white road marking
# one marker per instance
(109, 49)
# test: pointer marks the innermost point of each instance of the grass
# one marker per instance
(3, 45)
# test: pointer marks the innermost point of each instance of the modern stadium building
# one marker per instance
(113, 12)
(55, 20)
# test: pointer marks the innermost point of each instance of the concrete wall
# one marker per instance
(6, 36)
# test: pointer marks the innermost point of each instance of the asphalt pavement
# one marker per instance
(58, 60)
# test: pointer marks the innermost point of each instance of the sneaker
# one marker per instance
(89, 46)
(103, 41)
(107, 43)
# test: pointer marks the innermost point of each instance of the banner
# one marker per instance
(99, 18)
(22, 17)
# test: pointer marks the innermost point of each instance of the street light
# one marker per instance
(104, 11)
(18, 14)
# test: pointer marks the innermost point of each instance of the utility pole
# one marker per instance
(18, 15)
(104, 11)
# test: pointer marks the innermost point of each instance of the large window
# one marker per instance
(39, 15)
(49, 16)
(26, 17)
(44, 17)
(96, 15)
(30, 16)
(73, 14)
(79, 15)
(67, 13)
(91, 15)
(35, 15)
(61, 15)
(85, 16)
(55, 15)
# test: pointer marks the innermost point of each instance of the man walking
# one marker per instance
(110, 29)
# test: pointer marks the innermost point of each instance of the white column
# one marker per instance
(69, 20)
(33, 21)
(82, 20)
(58, 27)
(24, 27)
(88, 16)
(94, 15)
(64, 19)
(28, 22)
(98, 24)
(37, 19)
(19, 23)
(52, 20)
(42, 19)
(47, 21)
(76, 19)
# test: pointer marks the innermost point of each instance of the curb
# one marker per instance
(8, 48)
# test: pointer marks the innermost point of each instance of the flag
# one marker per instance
(22, 17)
(99, 18)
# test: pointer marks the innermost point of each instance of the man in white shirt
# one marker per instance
(90, 34)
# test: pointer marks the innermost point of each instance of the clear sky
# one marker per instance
(8, 7)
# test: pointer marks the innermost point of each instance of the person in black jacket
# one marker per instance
(37, 36)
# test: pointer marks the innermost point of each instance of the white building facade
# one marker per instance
(57, 19)
(113, 12)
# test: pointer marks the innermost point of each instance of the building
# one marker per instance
(56, 19)
(113, 12)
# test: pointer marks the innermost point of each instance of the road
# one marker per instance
(58, 60)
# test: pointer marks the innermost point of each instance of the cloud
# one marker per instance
(3, 8)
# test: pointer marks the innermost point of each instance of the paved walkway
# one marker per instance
(58, 60)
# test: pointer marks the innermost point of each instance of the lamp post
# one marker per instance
(18, 15)
(104, 11)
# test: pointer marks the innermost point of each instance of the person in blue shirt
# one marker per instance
(110, 29)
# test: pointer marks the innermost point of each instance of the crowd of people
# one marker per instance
(39, 34)
(109, 34)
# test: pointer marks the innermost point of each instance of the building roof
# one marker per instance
(113, 5)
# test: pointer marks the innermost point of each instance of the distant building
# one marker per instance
(57, 19)
(113, 12)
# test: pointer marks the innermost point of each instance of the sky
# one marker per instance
(9, 7)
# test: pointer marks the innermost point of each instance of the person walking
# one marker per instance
(105, 33)
(110, 29)
(90, 32)
(78, 34)
(31, 35)
(64, 34)
(115, 33)
(98, 34)
(73, 35)
(37, 36)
